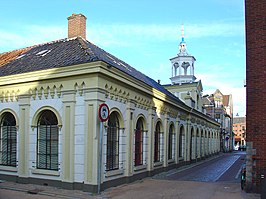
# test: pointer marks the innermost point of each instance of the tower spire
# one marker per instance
(182, 44)
(183, 33)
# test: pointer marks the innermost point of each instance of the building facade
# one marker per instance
(239, 128)
(220, 108)
(184, 86)
(50, 132)
(183, 81)
(256, 97)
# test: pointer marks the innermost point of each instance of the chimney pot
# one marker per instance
(77, 26)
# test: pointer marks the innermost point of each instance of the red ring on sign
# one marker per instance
(102, 112)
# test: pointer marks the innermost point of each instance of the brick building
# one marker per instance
(220, 108)
(256, 96)
(239, 128)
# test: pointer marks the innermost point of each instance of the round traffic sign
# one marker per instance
(104, 112)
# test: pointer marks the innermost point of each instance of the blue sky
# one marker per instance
(145, 34)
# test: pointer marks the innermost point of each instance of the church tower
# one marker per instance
(183, 64)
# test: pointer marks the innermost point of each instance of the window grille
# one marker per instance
(138, 147)
(47, 141)
(170, 143)
(112, 153)
(112, 148)
(181, 142)
(8, 140)
(157, 143)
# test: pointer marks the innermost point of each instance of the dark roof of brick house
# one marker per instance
(66, 52)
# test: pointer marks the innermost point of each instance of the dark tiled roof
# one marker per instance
(63, 53)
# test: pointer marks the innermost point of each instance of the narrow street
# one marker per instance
(225, 168)
(214, 178)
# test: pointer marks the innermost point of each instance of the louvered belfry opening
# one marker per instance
(77, 26)
(47, 141)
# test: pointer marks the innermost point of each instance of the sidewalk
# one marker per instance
(148, 188)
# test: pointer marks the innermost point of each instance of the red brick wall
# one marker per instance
(256, 85)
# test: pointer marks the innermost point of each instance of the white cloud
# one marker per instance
(29, 35)
(132, 33)
(119, 34)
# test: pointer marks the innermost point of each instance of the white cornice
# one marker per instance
(50, 73)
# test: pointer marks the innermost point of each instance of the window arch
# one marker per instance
(47, 141)
(112, 153)
(139, 142)
(171, 141)
(8, 140)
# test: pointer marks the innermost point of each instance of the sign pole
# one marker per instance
(103, 116)
(100, 158)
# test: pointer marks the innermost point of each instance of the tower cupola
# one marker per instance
(183, 64)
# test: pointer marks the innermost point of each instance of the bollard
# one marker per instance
(263, 187)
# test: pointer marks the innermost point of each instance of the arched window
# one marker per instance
(139, 143)
(157, 143)
(47, 141)
(181, 142)
(198, 144)
(8, 140)
(170, 142)
(112, 156)
(191, 144)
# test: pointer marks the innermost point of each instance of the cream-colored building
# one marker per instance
(220, 108)
(50, 132)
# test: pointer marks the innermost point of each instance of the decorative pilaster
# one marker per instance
(93, 99)
(129, 137)
(69, 100)
(151, 137)
(177, 139)
(24, 129)
(166, 138)
(188, 143)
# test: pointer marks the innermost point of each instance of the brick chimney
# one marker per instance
(77, 26)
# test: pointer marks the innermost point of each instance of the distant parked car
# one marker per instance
(242, 148)
(236, 147)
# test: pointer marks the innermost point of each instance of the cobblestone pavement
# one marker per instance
(148, 188)
(224, 167)
(210, 171)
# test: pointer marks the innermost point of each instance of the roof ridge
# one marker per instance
(83, 42)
